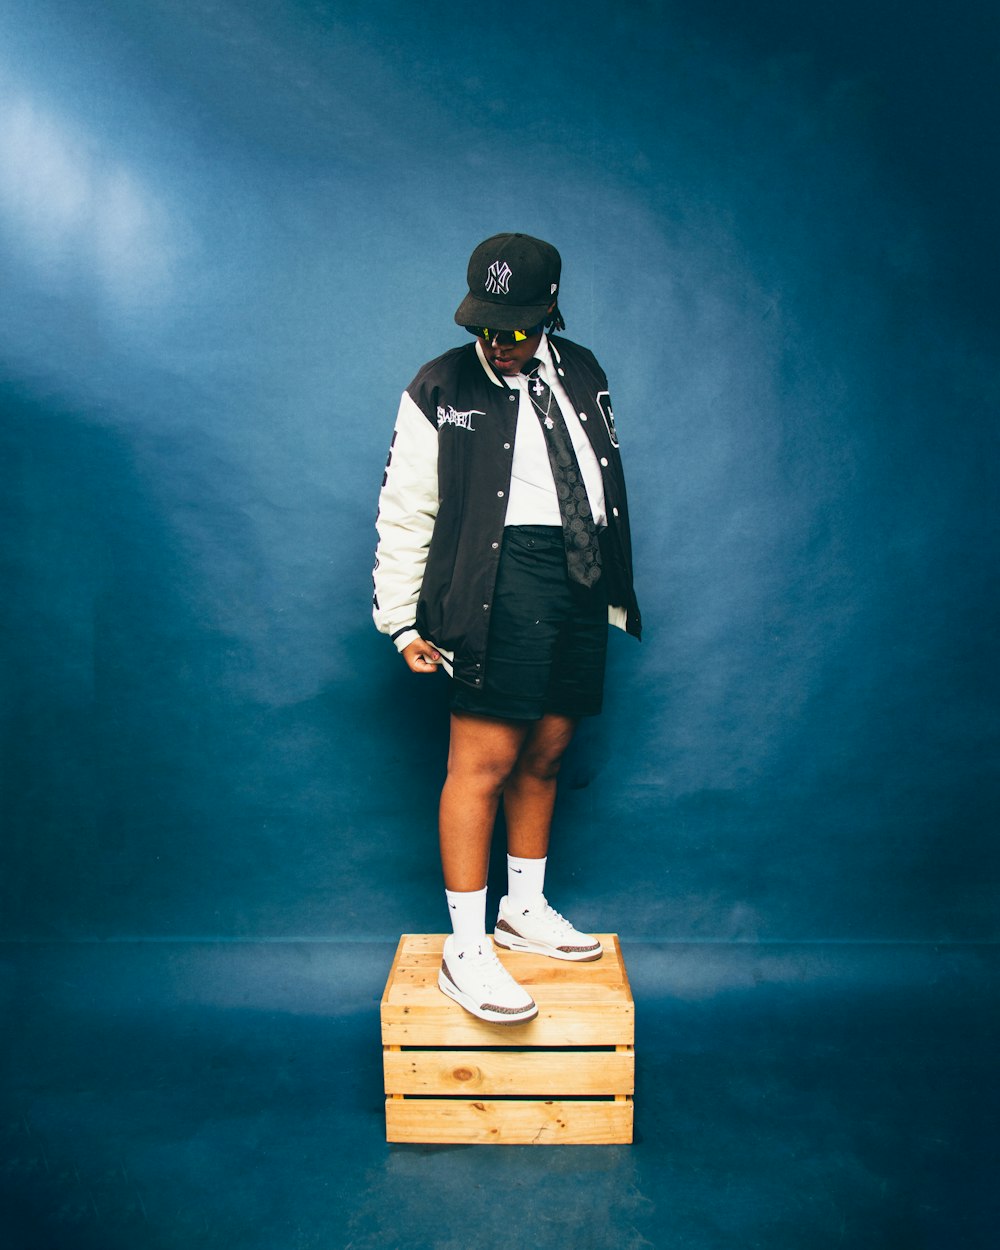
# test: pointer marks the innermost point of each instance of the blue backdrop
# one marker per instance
(229, 235)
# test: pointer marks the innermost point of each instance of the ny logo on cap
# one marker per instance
(498, 278)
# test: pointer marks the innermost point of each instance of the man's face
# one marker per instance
(510, 359)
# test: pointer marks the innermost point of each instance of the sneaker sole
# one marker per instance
(473, 1008)
(510, 943)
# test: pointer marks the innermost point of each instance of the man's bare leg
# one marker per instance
(525, 921)
(530, 793)
(482, 754)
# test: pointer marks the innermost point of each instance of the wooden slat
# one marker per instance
(620, 961)
(562, 1024)
(401, 945)
(423, 941)
(527, 969)
(514, 1122)
(485, 1072)
(420, 996)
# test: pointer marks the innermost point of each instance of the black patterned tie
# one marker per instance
(583, 552)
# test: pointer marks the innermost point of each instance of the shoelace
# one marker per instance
(560, 919)
(551, 914)
(488, 966)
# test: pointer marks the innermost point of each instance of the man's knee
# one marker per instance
(485, 775)
(542, 754)
(541, 763)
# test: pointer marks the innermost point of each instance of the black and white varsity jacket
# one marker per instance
(444, 499)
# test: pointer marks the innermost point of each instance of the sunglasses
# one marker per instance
(504, 338)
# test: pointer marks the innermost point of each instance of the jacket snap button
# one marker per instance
(499, 494)
(614, 511)
(583, 416)
(506, 446)
(604, 461)
(495, 545)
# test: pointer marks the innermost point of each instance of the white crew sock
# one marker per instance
(467, 909)
(525, 879)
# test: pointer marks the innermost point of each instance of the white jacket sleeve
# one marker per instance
(407, 509)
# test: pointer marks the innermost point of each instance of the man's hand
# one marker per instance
(421, 656)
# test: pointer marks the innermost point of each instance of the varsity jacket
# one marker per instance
(444, 499)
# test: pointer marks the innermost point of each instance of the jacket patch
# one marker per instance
(604, 403)
(450, 416)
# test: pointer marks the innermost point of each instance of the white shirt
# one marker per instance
(532, 497)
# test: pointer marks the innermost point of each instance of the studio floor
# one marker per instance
(215, 1096)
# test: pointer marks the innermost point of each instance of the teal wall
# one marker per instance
(230, 233)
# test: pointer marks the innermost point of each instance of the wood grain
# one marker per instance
(474, 1072)
(548, 1123)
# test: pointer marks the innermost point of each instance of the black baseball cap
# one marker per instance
(513, 281)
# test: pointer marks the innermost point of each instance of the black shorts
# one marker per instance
(548, 637)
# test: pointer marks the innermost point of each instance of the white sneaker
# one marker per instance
(540, 929)
(479, 982)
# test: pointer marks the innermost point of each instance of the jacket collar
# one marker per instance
(544, 353)
(486, 365)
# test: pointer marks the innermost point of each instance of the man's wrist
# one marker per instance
(404, 637)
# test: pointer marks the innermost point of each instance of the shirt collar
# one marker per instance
(543, 353)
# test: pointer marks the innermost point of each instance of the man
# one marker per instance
(504, 551)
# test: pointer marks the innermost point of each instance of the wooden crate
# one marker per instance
(565, 1078)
